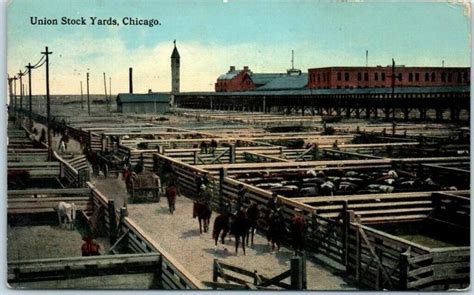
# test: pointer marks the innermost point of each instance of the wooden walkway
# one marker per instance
(179, 235)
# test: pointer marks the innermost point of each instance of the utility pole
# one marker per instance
(105, 88)
(110, 92)
(14, 94)
(48, 101)
(88, 99)
(82, 98)
(21, 90)
(30, 68)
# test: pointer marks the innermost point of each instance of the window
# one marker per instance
(417, 77)
(359, 76)
(376, 76)
(319, 78)
(466, 77)
(433, 77)
(427, 77)
(366, 76)
(346, 76)
(450, 77)
(443, 77)
(459, 77)
(339, 76)
(383, 76)
(400, 77)
(410, 77)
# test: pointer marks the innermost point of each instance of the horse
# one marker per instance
(203, 212)
(297, 230)
(253, 214)
(240, 229)
(221, 224)
(276, 229)
(66, 211)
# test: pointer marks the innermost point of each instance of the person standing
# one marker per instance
(171, 192)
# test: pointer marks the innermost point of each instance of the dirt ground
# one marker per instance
(45, 241)
(179, 235)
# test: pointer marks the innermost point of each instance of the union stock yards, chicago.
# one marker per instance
(299, 170)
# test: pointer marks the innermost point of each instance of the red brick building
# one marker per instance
(235, 80)
(374, 77)
(245, 80)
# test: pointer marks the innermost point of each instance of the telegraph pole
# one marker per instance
(110, 92)
(29, 67)
(21, 90)
(48, 106)
(88, 99)
(105, 88)
(82, 98)
(14, 94)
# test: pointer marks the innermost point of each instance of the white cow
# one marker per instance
(66, 212)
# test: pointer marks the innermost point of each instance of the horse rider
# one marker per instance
(171, 192)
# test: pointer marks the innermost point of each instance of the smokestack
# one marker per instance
(130, 80)
(366, 58)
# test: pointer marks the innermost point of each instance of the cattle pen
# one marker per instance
(398, 217)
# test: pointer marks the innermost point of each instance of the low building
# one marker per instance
(148, 103)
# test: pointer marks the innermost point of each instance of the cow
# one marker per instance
(66, 212)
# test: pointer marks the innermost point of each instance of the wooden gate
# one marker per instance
(238, 278)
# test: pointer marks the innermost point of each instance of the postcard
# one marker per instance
(238, 145)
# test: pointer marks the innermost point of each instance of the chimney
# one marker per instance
(246, 68)
(130, 80)
(232, 68)
(149, 91)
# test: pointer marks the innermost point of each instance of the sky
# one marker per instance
(213, 35)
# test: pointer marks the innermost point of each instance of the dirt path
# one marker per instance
(179, 235)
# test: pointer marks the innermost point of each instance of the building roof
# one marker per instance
(229, 75)
(175, 53)
(286, 82)
(143, 97)
(387, 90)
(264, 78)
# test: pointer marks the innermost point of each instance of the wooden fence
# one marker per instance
(171, 273)
(238, 278)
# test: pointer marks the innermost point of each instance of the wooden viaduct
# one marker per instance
(446, 102)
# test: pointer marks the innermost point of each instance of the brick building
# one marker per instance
(245, 80)
(376, 77)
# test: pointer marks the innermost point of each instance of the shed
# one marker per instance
(144, 103)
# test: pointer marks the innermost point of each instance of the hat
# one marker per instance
(203, 186)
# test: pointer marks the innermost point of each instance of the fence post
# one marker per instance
(358, 254)
(296, 273)
(195, 157)
(112, 222)
(222, 176)
(232, 153)
(345, 232)
(404, 267)
(214, 273)
(159, 272)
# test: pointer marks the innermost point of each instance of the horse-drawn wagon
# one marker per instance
(141, 185)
